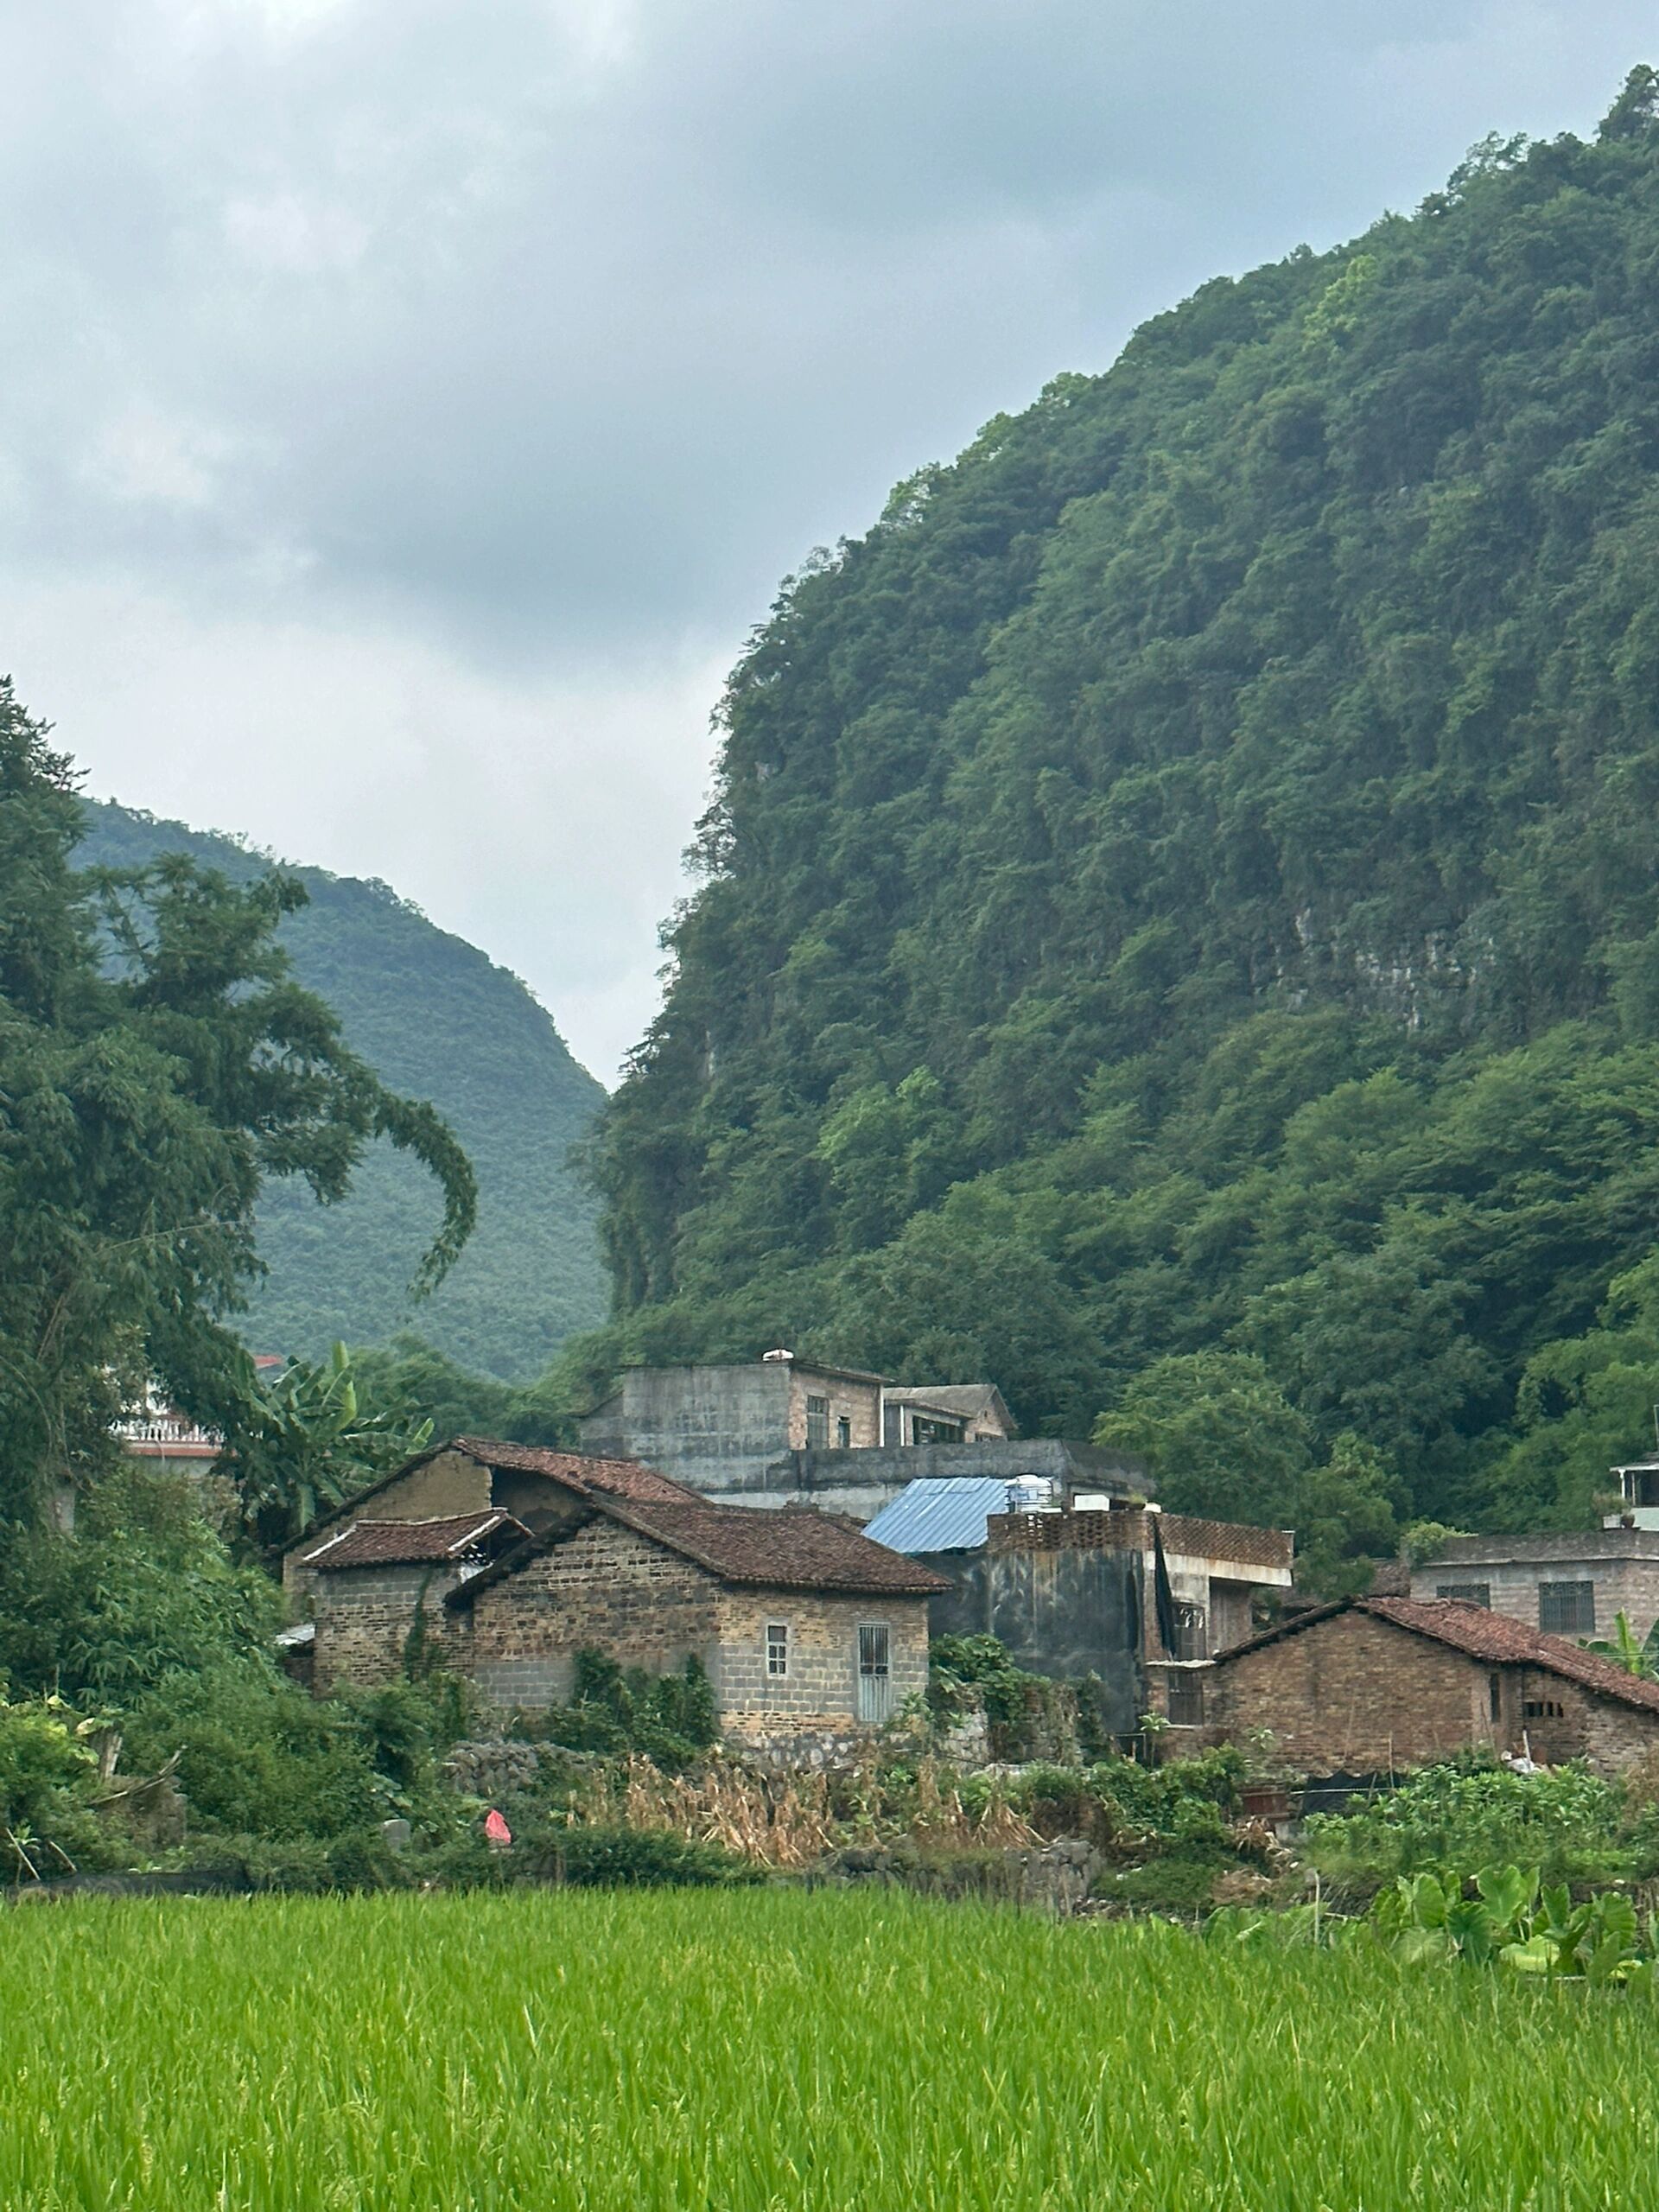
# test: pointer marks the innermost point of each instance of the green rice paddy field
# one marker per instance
(775, 2051)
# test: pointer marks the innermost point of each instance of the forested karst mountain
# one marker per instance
(1186, 885)
(440, 1022)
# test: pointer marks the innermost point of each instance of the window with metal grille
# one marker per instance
(1192, 1632)
(777, 1648)
(1541, 1708)
(1467, 1594)
(875, 1672)
(1567, 1608)
(1185, 1699)
(817, 1422)
(843, 1434)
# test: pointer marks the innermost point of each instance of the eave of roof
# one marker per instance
(847, 1562)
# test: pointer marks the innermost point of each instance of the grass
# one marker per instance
(781, 2051)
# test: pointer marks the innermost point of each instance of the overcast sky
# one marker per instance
(408, 406)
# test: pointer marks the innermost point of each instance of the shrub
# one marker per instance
(47, 1772)
(638, 1858)
(1473, 1813)
(671, 1719)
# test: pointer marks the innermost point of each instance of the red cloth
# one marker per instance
(496, 1830)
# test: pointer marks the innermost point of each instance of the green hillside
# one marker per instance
(1185, 887)
(438, 1020)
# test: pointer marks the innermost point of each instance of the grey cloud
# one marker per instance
(565, 324)
(539, 339)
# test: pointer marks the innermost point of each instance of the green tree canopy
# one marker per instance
(157, 1065)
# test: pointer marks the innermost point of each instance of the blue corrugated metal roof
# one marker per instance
(947, 1513)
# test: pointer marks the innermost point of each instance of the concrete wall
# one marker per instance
(863, 1483)
(715, 1428)
(1623, 1563)
(1060, 1612)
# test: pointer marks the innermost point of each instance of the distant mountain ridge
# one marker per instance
(438, 1019)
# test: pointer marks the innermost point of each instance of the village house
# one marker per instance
(780, 1430)
(1566, 1585)
(807, 1630)
(1066, 1575)
(1370, 1685)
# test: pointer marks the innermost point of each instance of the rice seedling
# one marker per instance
(776, 2050)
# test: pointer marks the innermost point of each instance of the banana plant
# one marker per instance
(305, 1442)
(1636, 1655)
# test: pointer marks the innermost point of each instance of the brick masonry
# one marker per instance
(820, 1690)
(1622, 1563)
(364, 1617)
(1355, 1694)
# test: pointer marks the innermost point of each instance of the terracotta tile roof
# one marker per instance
(1492, 1637)
(784, 1547)
(410, 1543)
(579, 1471)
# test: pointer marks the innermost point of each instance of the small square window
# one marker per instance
(777, 1648)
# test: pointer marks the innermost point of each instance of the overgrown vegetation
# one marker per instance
(1179, 918)
(159, 1068)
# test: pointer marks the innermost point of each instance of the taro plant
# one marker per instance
(1513, 1920)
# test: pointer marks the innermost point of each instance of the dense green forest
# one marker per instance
(439, 1021)
(1178, 925)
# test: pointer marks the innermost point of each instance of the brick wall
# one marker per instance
(604, 1588)
(860, 1403)
(820, 1690)
(1355, 1694)
(364, 1617)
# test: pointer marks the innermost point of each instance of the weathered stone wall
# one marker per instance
(604, 1588)
(365, 1615)
(820, 1691)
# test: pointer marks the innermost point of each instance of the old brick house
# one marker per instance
(802, 1625)
(1371, 1685)
(473, 1475)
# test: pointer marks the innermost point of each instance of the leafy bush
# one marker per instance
(1508, 1919)
(1458, 1817)
(46, 1771)
(638, 1858)
(671, 1719)
(145, 1589)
